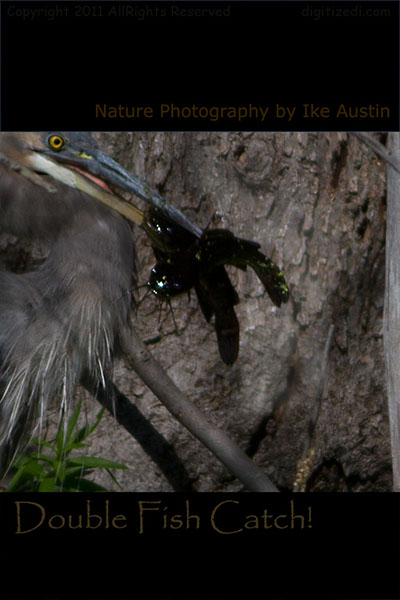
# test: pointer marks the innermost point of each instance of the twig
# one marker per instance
(380, 150)
(216, 440)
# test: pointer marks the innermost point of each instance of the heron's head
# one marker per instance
(74, 159)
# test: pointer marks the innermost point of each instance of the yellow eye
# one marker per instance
(56, 142)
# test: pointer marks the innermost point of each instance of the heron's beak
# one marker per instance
(112, 173)
(84, 180)
(102, 178)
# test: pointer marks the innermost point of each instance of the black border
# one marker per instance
(57, 67)
(352, 548)
(346, 547)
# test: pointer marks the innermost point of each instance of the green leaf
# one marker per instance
(94, 462)
(79, 445)
(47, 485)
(115, 480)
(54, 472)
(65, 433)
(43, 443)
(73, 471)
(85, 485)
(38, 456)
(20, 479)
(73, 421)
(84, 432)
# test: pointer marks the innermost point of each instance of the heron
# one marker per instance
(61, 322)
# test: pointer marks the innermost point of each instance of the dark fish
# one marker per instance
(185, 261)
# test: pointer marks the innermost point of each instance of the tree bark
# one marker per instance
(317, 205)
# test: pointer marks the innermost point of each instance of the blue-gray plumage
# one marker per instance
(60, 322)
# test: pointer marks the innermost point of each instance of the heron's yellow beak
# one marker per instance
(87, 184)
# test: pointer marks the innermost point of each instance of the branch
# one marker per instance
(391, 318)
(150, 371)
(388, 157)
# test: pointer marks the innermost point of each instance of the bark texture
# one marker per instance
(316, 204)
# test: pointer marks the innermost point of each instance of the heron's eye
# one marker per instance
(56, 142)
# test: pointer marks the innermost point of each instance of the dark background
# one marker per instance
(56, 66)
(351, 551)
